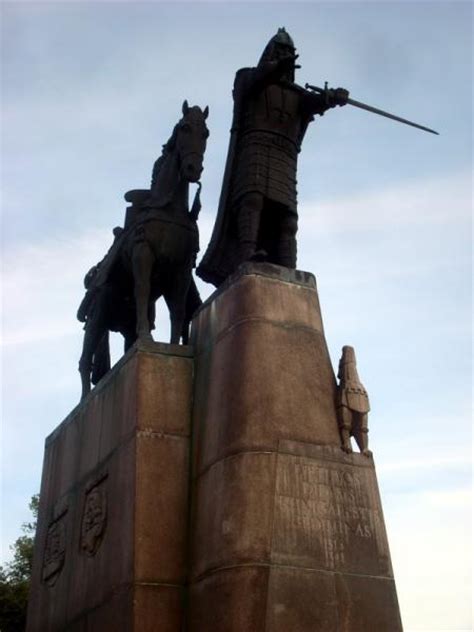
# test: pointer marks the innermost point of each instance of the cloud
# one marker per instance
(393, 268)
(431, 553)
(42, 285)
(423, 463)
(421, 203)
(450, 499)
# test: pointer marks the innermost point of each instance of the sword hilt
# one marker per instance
(324, 91)
(308, 86)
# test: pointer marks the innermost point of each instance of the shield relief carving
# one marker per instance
(55, 549)
(94, 516)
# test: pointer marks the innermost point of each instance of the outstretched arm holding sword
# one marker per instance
(336, 97)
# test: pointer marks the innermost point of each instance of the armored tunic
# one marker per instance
(271, 117)
(272, 126)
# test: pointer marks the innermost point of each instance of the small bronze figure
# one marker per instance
(257, 217)
(352, 404)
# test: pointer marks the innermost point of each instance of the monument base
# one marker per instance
(260, 523)
(316, 556)
(111, 541)
(287, 529)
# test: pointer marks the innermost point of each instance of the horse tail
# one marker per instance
(101, 359)
(193, 301)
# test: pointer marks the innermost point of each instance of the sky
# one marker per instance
(90, 92)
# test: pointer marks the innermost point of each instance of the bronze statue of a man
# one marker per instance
(257, 217)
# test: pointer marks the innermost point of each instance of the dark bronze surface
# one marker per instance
(257, 218)
(370, 108)
(152, 256)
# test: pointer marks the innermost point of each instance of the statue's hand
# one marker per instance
(338, 96)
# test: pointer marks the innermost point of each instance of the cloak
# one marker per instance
(221, 255)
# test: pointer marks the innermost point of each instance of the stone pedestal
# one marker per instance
(287, 530)
(204, 488)
(111, 543)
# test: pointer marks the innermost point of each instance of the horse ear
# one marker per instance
(206, 112)
(185, 107)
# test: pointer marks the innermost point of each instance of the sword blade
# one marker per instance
(369, 108)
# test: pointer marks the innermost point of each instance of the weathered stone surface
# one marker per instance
(312, 601)
(162, 392)
(367, 603)
(263, 371)
(233, 522)
(287, 528)
(158, 607)
(303, 600)
(161, 508)
(114, 614)
(229, 600)
(258, 291)
(328, 513)
(114, 497)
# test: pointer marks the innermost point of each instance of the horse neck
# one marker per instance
(170, 188)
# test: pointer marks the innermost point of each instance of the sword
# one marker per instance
(369, 108)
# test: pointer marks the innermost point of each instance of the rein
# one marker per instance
(196, 207)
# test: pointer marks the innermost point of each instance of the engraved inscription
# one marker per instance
(54, 551)
(94, 517)
(327, 515)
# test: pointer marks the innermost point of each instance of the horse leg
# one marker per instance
(176, 300)
(142, 264)
(193, 301)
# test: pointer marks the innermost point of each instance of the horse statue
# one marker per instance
(151, 257)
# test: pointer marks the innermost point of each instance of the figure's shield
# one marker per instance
(357, 399)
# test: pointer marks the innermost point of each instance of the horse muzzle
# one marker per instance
(192, 167)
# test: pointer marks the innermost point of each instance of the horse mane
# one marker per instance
(166, 150)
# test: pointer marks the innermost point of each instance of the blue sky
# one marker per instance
(90, 92)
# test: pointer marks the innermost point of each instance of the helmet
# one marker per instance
(348, 354)
(281, 39)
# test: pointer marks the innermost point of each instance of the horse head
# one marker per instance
(191, 138)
